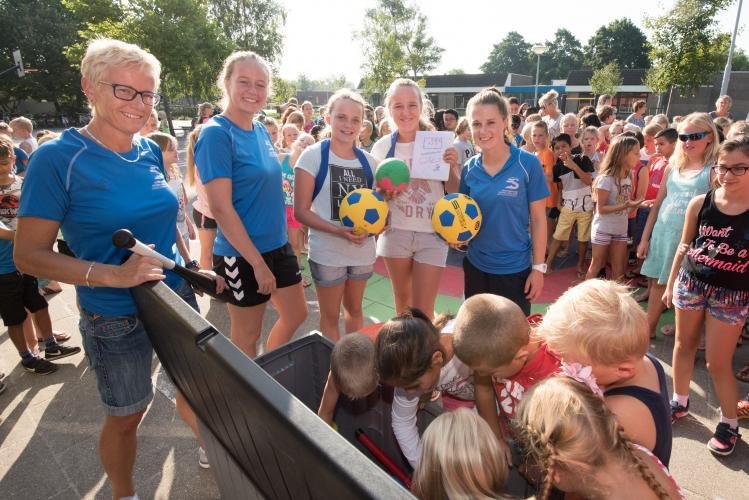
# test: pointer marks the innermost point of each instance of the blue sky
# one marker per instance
(319, 43)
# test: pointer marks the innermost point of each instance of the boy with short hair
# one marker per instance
(598, 324)
(22, 159)
(23, 130)
(20, 292)
(573, 175)
(352, 370)
(492, 336)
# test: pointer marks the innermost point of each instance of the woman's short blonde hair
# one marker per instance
(548, 98)
(460, 458)
(105, 53)
(599, 320)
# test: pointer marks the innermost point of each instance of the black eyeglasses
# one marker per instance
(735, 171)
(127, 93)
(695, 136)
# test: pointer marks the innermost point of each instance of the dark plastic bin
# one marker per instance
(302, 366)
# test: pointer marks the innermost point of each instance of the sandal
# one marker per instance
(306, 282)
(60, 337)
(668, 330)
(743, 374)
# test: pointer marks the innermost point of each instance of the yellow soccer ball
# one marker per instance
(364, 210)
(456, 218)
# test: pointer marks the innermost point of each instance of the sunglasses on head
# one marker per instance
(695, 136)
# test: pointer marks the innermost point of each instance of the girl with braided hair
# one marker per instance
(576, 442)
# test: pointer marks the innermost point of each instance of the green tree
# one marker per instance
(739, 62)
(620, 41)
(456, 71)
(255, 25)
(606, 79)
(564, 55)
(395, 43)
(511, 55)
(40, 29)
(283, 89)
(687, 48)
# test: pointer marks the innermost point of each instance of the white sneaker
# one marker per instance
(203, 458)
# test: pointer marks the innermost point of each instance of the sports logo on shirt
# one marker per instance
(512, 185)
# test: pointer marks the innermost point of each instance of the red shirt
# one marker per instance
(656, 175)
(510, 391)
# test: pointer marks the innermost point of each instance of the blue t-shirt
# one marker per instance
(7, 265)
(22, 159)
(92, 192)
(503, 245)
(248, 158)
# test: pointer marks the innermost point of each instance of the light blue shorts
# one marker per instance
(330, 276)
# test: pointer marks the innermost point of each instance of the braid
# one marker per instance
(625, 445)
(546, 459)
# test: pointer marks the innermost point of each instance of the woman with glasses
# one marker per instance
(709, 288)
(687, 175)
(90, 182)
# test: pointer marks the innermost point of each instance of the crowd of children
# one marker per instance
(574, 400)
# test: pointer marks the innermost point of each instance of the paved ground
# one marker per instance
(49, 425)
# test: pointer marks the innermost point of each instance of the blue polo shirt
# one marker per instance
(92, 192)
(248, 158)
(503, 245)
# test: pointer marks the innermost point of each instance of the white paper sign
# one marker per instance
(427, 159)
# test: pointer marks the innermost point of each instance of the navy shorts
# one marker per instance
(19, 292)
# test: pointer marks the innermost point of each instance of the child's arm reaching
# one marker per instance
(404, 425)
(329, 400)
(486, 406)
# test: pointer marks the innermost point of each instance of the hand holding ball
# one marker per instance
(392, 175)
(364, 210)
(456, 218)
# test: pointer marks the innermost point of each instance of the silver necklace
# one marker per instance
(137, 156)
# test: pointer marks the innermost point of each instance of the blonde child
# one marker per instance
(491, 335)
(687, 174)
(272, 127)
(414, 357)
(460, 458)
(589, 141)
(289, 134)
(341, 260)
(598, 324)
(201, 211)
(23, 130)
(570, 126)
(462, 143)
(185, 227)
(526, 136)
(572, 437)
(365, 136)
(611, 192)
(708, 286)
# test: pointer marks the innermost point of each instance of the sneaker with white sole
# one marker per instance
(724, 440)
(60, 351)
(203, 458)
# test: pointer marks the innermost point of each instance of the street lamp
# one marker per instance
(538, 49)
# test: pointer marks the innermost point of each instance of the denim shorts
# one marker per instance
(120, 353)
(329, 276)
